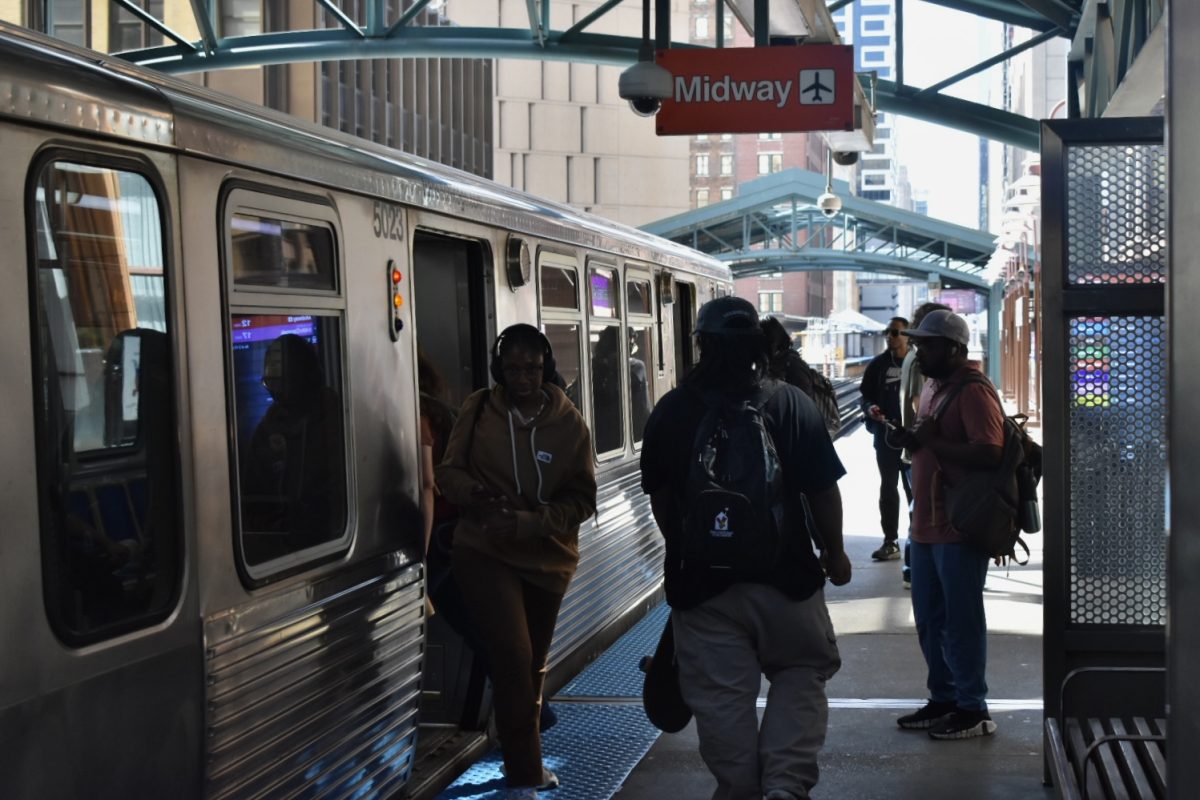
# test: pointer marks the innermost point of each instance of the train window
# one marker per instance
(559, 289)
(608, 429)
(604, 293)
(290, 433)
(641, 356)
(564, 340)
(107, 463)
(637, 294)
(280, 253)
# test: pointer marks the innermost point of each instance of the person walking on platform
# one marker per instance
(911, 381)
(519, 466)
(743, 582)
(960, 428)
(881, 406)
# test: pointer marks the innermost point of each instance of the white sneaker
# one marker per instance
(549, 781)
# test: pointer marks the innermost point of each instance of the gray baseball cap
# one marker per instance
(942, 324)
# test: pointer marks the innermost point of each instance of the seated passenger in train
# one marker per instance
(519, 467)
(295, 466)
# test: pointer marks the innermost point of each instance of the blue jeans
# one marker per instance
(947, 598)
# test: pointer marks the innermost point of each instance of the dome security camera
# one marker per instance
(645, 85)
(845, 158)
(830, 204)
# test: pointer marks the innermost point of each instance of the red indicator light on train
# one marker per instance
(396, 276)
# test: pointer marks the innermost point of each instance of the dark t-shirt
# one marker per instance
(810, 464)
(881, 387)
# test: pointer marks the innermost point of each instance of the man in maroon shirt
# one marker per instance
(947, 573)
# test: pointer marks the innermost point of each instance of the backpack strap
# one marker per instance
(971, 377)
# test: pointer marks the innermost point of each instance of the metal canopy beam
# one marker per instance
(402, 39)
(1012, 12)
(976, 118)
(774, 225)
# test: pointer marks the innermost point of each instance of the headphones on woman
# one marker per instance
(523, 331)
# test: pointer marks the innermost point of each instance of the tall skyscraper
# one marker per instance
(870, 26)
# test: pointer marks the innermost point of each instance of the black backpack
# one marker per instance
(733, 518)
(990, 508)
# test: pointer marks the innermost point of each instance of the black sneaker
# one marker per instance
(890, 551)
(927, 716)
(964, 725)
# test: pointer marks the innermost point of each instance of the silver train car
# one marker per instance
(210, 536)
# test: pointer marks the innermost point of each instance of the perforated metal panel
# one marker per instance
(1117, 435)
(1116, 214)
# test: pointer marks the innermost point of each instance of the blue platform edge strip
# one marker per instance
(615, 673)
(595, 745)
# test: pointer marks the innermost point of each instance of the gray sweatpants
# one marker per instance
(725, 645)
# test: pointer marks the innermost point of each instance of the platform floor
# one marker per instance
(866, 755)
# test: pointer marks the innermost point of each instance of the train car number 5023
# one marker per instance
(389, 222)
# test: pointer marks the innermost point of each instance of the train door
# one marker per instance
(99, 605)
(684, 325)
(452, 308)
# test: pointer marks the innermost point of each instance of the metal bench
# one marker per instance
(1120, 757)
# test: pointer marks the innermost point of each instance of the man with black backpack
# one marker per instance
(960, 431)
(726, 459)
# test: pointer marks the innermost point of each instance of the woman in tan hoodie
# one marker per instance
(519, 466)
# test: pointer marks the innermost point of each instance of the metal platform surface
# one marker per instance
(592, 749)
(615, 673)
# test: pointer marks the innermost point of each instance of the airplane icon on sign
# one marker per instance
(816, 87)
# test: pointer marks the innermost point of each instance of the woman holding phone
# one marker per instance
(519, 466)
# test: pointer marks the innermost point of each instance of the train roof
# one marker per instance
(51, 83)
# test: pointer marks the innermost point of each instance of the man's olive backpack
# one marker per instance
(733, 518)
(990, 508)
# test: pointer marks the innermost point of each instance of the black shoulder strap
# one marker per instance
(970, 377)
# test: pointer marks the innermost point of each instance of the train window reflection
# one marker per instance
(638, 297)
(280, 253)
(564, 340)
(608, 432)
(641, 350)
(107, 464)
(559, 289)
(290, 433)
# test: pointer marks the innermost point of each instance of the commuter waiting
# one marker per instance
(744, 585)
(880, 402)
(960, 428)
(519, 467)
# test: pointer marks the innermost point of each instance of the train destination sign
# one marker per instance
(758, 89)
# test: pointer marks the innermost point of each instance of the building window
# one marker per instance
(727, 165)
(770, 301)
(702, 27)
(702, 165)
(726, 137)
(701, 198)
(769, 163)
(127, 32)
(771, 137)
(68, 21)
(241, 17)
(701, 137)
(874, 180)
(726, 193)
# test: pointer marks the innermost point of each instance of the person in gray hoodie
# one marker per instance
(519, 467)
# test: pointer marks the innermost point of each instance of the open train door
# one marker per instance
(1104, 218)
(453, 312)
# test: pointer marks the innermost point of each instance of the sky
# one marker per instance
(942, 162)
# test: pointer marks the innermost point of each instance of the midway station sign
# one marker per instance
(758, 89)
